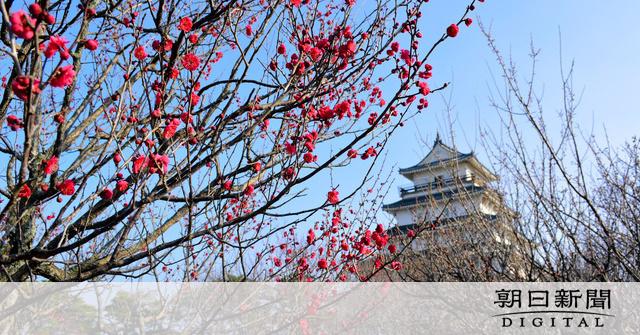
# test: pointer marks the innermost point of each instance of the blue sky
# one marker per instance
(602, 39)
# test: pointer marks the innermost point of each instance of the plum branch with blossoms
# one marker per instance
(172, 139)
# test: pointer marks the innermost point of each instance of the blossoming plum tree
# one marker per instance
(166, 138)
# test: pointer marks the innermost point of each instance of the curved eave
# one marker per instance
(402, 230)
(419, 200)
(425, 167)
(490, 176)
(470, 158)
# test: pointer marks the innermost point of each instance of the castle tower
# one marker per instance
(463, 229)
(447, 185)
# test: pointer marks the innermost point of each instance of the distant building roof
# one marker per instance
(438, 154)
(441, 153)
(402, 230)
(434, 196)
(421, 165)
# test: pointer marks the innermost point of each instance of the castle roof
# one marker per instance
(402, 230)
(442, 154)
(466, 190)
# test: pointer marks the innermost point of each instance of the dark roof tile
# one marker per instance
(402, 230)
(416, 167)
(431, 197)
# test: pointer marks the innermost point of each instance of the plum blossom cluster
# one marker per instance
(174, 136)
(26, 26)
